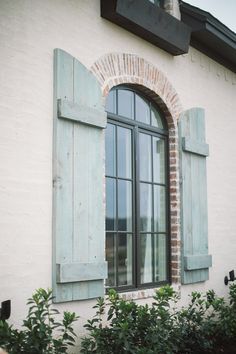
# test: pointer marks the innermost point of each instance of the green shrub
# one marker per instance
(207, 325)
(40, 333)
(196, 324)
(226, 318)
(132, 328)
(204, 326)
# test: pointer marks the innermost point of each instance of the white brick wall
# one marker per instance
(29, 31)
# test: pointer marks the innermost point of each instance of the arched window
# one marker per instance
(137, 204)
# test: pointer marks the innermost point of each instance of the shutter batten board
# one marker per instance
(194, 224)
(197, 262)
(76, 272)
(82, 114)
(62, 171)
(78, 207)
(195, 147)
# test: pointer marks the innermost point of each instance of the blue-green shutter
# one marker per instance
(79, 268)
(193, 186)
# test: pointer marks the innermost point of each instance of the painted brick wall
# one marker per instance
(29, 31)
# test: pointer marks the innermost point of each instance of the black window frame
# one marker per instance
(137, 127)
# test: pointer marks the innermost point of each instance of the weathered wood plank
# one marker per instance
(75, 272)
(195, 147)
(82, 114)
(62, 174)
(96, 238)
(197, 262)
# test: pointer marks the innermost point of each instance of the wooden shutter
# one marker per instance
(193, 153)
(79, 268)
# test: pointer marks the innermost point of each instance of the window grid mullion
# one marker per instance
(116, 224)
(152, 236)
(137, 215)
(134, 253)
(121, 178)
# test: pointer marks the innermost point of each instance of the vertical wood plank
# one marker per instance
(62, 174)
(81, 221)
(65, 202)
(96, 205)
(193, 194)
(89, 215)
(87, 91)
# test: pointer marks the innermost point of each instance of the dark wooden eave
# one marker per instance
(149, 22)
(210, 36)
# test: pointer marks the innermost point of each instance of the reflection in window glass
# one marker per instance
(125, 259)
(145, 207)
(124, 205)
(146, 258)
(158, 160)
(160, 257)
(111, 102)
(110, 150)
(156, 118)
(124, 152)
(156, 2)
(142, 110)
(126, 103)
(145, 157)
(110, 204)
(159, 208)
(110, 257)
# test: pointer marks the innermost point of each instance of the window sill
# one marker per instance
(141, 294)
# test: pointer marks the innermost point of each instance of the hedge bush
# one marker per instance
(207, 325)
(41, 333)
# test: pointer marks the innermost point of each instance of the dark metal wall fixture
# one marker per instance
(150, 22)
(5, 310)
(231, 277)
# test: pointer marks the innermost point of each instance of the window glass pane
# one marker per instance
(145, 207)
(125, 247)
(160, 257)
(110, 204)
(124, 205)
(110, 150)
(159, 209)
(111, 102)
(124, 152)
(142, 110)
(158, 160)
(126, 103)
(110, 258)
(145, 157)
(156, 118)
(146, 258)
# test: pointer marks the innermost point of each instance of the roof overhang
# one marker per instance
(210, 36)
(149, 22)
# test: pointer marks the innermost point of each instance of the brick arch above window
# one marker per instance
(120, 68)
